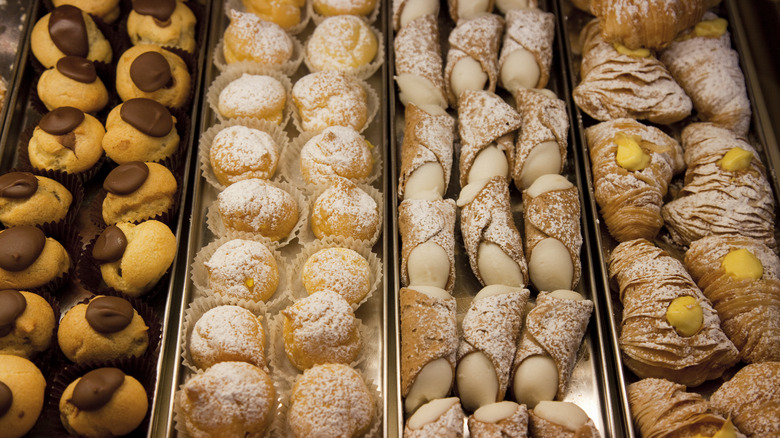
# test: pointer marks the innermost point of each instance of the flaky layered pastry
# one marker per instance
(619, 83)
(630, 200)
(422, 221)
(718, 198)
(707, 68)
(650, 281)
(752, 399)
(418, 63)
(530, 30)
(478, 39)
(748, 303)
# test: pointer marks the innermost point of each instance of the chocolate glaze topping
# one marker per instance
(77, 68)
(126, 178)
(159, 9)
(6, 399)
(96, 388)
(147, 116)
(20, 247)
(68, 31)
(150, 72)
(110, 245)
(18, 185)
(12, 305)
(62, 120)
(109, 314)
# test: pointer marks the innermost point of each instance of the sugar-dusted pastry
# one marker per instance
(338, 151)
(107, 10)
(726, 189)
(330, 8)
(663, 408)
(345, 210)
(491, 329)
(472, 60)
(549, 342)
(249, 38)
(426, 152)
(226, 334)
(485, 124)
(741, 277)
(429, 343)
(632, 166)
(468, 9)
(331, 400)
(243, 270)
(330, 98)
(492, 242)
(617, 82)
(669, 328)
(22, 391)
(73, 81)
(427, 230)
(259, 97)
(556, 419)
(27, 199)
(138, 191)
(418, 63)
(29, 259)
(285, 13)
(441, 417)
(551, 209)
(258, 206)
(543, 136)
(239, 152)
(752, 399)
(526, 54)
(343, 42)
(147, 70)
(405, 11)
(26, 324)
(140, 129)
(68, 31)
(166, 23)
(707, 68)
(341, 270)
(504, 419)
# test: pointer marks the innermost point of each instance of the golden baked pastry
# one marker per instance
(243, 270)
(27, 199)
(107, 10)
(149, 71)
(166, 23)
(427, 242)
(254, 96)
(28, 323)
(66, 140)
(73, 81)
(504, 419)
(103, 403)
(340, 270)
(230, 399)
(345, 210)
(240, 152)
(330, 98)
(105, 328)
(249, 38)
(343, 43)
(337, 151)
(258, 206)
(472, 60)
(29, 259)
(331, 400)
(140, 129)
(441, 417)
(227, 334)
(68, 31)
(418, 63)
(22, 389)
(526, 54)
(285, 13)
(329, 8)
(138, 191)
(319, 329)
(752, 399)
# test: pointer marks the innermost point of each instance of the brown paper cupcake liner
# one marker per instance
(46, 359)
(235, 71)
(372, 103)
(318, 18)
(362, 72)
(238, 5)
(288, 68)
(207, 139)
(309, 236)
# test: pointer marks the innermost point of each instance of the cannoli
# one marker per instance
(472, 60)
(492, 242)
(485, 124)
(504, 419)
(490, 330)
(618, 82)
(440, 418)
(632, 166)
(551, 209)
(556, 419)
(468, 9)
(426, 152)
(548, 346)
(669, 328)
(543, 139)
(661, 408)
(504, 6)
(427, 242)
(726, 189)
(707, 68)
(527, 52)
(752, 399)
(405, 11)
(418, 63)
(650, 24)
(741, 277)
(429, 342)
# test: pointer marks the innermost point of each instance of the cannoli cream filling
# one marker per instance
(495, 412)
(548, 183)
(496, 289)
(496, 267)
(419, 91)
(565, 414)
(550, 266)
(468, 193)
(428, 265)
(431, 412)
(467, 74)
(520, 70)
(427, 178)
(433, 381)
(471, 8)
(417, 8)
(433, 292)
(544, 159)
(476, 380)
(488, 163)
(536, 379)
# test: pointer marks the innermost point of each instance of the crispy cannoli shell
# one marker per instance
(418, 52)
(532, 30)
(427, 139)
(539, 427)
(428, 332)
(514, 426)
(478, 38)
(398, 9)
(555, 214)
(421, 221)
(453, 8)
(448, 425)
(492, 326)
(488, 218)
(752, 399)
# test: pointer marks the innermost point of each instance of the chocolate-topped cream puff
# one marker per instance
(67, 140)
(138, 191)
(26, 323)
(73, 81)
(152, 72)
(68, 31)
(27, 199)
(140, 130)
(29, 259)
(165, 23)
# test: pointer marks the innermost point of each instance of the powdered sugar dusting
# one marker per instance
(338, 151)
(330, 98)
(239, 260)
(253, 96)
(256, 205)
(253, 39)
(532, 30)
(342, 42)
(228, 333)
(751, 399)
(421, 221)
(344, 209)
(241, 152)
(341, 270)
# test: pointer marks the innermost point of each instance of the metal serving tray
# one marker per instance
(591, 385)
(760, 136)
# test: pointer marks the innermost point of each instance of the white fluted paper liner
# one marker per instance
(373, 108)
(217, 226)
(295, 280)
(200, 275)
(288, 68)
(207, 139)
(308, 235)
(233, 72)
(317, 18)
(238, 5)
(290, 163)
(202, 305)
(364, 71)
